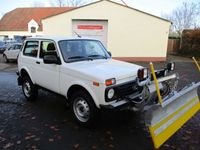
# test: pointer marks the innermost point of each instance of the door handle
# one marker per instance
(37, 62)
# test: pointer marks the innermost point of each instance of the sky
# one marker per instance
(155, 7)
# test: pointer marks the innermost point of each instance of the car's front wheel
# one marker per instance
(29, 89)
(83, 108)
(5, 59)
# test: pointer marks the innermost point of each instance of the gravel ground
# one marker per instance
(47, 124)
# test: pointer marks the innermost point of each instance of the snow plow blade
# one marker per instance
(163, 120)
(168, 115)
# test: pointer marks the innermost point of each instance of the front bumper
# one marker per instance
(127, 95)
(125, 103)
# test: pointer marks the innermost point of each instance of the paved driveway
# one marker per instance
(11, 66)
(47, 124)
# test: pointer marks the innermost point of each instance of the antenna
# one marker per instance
(124, 2)
(77, 34)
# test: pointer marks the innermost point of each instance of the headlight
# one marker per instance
(142, 74)
(111, 93)
(171, 66)
(145, 73)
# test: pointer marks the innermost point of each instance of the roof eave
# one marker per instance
(114, 3)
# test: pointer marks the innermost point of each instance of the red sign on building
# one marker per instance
(90, 27)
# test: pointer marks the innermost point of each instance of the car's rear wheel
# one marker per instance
(5, 59)
(83, 108)
(29, 89)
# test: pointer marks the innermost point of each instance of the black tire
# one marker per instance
(79, 102)
(5, 59)
(29, 89)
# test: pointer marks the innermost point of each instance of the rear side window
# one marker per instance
(31, 48)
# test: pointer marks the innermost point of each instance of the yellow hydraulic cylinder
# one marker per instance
(195, 61)
(156, 83)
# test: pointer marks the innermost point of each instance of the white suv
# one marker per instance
(11, 53)
(83, 71)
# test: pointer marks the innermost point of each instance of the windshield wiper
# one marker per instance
(97, 56)
(78, 58)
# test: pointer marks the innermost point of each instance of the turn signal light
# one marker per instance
(95, 83)
(110, 82)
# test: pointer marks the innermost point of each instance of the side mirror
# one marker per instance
(171, 66)
(51, 59)
(110, 54)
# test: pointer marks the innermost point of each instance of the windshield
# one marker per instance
(79, 50)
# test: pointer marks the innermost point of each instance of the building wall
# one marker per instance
(130, 32)
(11, 34)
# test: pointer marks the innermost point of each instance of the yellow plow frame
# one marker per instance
(196, 63)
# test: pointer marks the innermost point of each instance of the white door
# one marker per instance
(13, 51)
(96, 29)
(48, 74)
(9, 52)
(16, 51)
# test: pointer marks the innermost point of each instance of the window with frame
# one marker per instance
(47, 48)
(31, 48)
(33, 29)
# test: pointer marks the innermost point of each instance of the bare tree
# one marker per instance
(37, 4)
(76, 2)
(72, 3)
(61, 3)
(184, 17)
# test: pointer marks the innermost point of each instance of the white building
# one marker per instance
(26, 21)
(129, 34)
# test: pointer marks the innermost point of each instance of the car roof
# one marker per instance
(15, 43)
(59, 38)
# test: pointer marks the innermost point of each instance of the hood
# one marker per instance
(102, 69)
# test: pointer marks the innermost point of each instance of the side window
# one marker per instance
(11, 47)
(47, 48)
(17, 46)
(31, 48)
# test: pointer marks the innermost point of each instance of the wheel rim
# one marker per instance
(81, 109)
(27, 88)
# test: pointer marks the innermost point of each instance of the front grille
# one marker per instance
(127, 89)
(123, 90)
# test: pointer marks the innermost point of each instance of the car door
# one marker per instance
(48, 74)
(8, 52)
(16, 51)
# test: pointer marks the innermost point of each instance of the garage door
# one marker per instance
(92, 29)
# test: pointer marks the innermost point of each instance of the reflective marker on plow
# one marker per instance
(164, 121)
